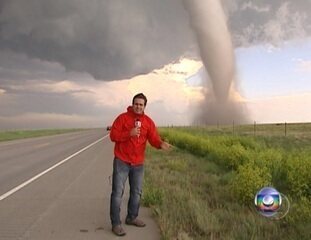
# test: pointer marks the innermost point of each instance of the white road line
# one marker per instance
(7, 194)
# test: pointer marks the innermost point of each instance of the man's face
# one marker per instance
(139, 105)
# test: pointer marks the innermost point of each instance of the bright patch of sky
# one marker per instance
(265, 71)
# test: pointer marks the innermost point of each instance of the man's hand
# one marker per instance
(135, 131)
(166, 146)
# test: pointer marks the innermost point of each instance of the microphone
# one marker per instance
(137, 124)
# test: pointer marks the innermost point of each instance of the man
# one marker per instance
(130, 131)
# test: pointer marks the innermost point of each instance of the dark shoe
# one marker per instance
(118, 230)
(135, 222)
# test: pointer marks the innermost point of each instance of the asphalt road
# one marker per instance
(58, 187)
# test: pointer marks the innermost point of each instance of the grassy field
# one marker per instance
(13, 135)
(300, 130)
(205, 187)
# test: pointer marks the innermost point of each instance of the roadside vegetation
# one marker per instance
(19, 134)
(205, 187)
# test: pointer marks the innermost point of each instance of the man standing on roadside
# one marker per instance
(130, 131)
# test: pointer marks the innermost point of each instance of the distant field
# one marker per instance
(13, 135)
(205, 187)
(280, 129)
(272, 129)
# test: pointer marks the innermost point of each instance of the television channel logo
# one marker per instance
(268, 201)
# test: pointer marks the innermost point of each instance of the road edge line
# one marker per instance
(9, 193)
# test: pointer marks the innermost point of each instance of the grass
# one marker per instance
(300, 130)
(192, 193)
(192, 199)
(13, 135)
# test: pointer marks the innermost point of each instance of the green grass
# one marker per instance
(194, 201)
(13, 135)
(300, 130)
(204, 188)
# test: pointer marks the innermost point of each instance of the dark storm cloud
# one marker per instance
(15, 66)
(109, 39)
(272, 22)
(116, 39)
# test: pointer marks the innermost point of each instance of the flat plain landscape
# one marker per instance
(205, 187)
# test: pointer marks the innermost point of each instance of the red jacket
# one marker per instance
(131, 149)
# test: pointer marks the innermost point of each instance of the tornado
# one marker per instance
(209, 23)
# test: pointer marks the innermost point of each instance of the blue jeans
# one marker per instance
(121, 171)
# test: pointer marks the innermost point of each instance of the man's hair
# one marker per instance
(140, 95)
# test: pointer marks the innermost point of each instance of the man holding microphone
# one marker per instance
(130, 131)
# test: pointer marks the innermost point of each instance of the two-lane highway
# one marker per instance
(68, 196)
(20, 160)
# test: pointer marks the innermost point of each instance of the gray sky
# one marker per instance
(54, 54)
(108, 39)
